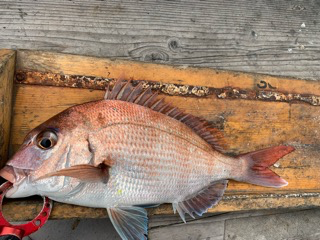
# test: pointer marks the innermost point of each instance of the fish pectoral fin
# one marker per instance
(84, 172)
(200, 202)
(130, 222)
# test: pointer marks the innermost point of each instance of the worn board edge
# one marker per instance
(16, 210)
(112, 69)
(7, 66)
(27, 77)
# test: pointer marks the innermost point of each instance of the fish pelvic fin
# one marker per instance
(130, 222)
(200, 202)
(257, 164)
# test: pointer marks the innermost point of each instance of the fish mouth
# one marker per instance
(13, 175)
(8, 174)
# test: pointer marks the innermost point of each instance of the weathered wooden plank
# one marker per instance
(274, 37)
(292, 226)
(16, 210)
(92, 82)
(247, 125)
(7, 63)
(284, 224)
(156, 221)
(74, 229)
(213, 230)
(57, 63)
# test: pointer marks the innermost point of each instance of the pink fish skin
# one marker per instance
(131, 150)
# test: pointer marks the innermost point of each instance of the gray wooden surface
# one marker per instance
(266, 36)
(261, 225)
(262, 36)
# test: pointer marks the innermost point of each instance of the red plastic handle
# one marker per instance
(27, 228)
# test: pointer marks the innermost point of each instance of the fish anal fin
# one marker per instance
(130, 222)
(124, 91)
(83, 172)
(201, 201)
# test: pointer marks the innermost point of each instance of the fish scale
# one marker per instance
(164, 165)
(133, 186)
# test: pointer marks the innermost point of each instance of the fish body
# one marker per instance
(155, 158)
(131, 150)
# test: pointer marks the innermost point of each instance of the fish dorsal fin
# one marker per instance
(202, 201)
(130, 222)
(124, 91)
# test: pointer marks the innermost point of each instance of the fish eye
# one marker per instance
(47, 139)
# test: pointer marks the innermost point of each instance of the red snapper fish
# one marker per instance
(130, 151)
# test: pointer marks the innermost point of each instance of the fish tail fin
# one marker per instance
(258, 162)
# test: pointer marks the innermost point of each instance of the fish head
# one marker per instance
(44, 150)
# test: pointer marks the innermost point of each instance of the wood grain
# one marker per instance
(299, 225)
(272, 37)
(190, 230)
(266, 224)
(7, 63)
(16, 210)
(158, 221)
(286, 224)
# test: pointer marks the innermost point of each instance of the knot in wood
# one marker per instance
(173, 45)
(20, 76)
(157, 56)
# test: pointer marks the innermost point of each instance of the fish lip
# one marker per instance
(14, 175)
(8, 173)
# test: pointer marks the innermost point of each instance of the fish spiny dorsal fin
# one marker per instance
(124, 91)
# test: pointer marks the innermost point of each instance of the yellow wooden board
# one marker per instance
(248, 125)
(7, 62)
(90, 66)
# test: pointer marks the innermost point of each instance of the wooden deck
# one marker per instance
(271, 37)
(277, 38)
(258, 225)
